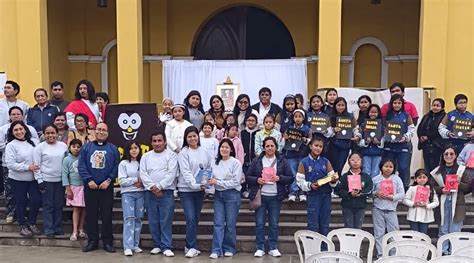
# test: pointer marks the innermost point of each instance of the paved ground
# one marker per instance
(13, 254)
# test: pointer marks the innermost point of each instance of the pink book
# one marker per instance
(451, 183)
(422, 194)
(470, 160)
(267, 174)
(354, 182)
(386, 187)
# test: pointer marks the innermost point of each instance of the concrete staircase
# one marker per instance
(293, 218)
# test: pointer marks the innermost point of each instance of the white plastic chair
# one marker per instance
(467, 251)
(350, 241)
(457, 240)
(451, 259)
(333, 257)
(311, 243)
(405, 235)
(411, 248)
(400, 259)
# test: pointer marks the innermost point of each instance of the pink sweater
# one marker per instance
(239, 149)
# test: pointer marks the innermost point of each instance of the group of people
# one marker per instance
(251, 152)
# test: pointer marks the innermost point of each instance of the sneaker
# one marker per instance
(191, 253)
(9, 219)
(213, 256)
(259, 253)
(155, 251)
(25, 231)
(175, 193)
(35, 230)
(137, 250)
(245, 194)
(292, 198)
(302, 198)
(73, 237)
(168, 253)
(228, 254)
(128, 252)
(274, 253)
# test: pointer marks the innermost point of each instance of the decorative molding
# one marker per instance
(401, 58)
(346, 59)
(85, 59)
(104, 67)
(156, 58)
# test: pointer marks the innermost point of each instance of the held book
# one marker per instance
(461, 127)
(267, 174)
(393, 131)
(354, 182)
(470, 160)
(451, 183)
(319, 124)
(386, 187)
(422, 194)
(295, 139)
(327, 179)
(345, 123)
(204, 175)
(373, 129)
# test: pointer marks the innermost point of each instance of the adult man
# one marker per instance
(11, 91)
(98, 167)
(158, 172)
(265, 106)
(399, 88)
(42, 114)
(57, 95)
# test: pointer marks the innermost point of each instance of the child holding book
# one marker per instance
(421, 200)
(314, 172)
(354, 187)
(268, 130)
(315, 110)
(371, 146)
(388, 192)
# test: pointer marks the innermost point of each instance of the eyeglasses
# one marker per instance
(449, 154)
(101, 130)
(80, 121)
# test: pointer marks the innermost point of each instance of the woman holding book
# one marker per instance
(354, 187)
(451, 183)
(193, 162)
(270, 174)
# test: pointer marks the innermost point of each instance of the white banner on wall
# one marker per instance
(413, 95)
(3, 80)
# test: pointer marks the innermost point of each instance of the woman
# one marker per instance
(360, 114)
(430, 141)
(19, 161)
(49, 156)
(82, 131)
(272, 193)
(227, 173)
(193, 161)
(217, 108)
(59, 121)
(102, 99)
(194, 108)
(242, 110)
(452, 203)
(84, 102)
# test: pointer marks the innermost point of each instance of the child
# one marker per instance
(420, 214)
(268, 130)
(371, 148)
(74, 189)
(299, 99)
(210, 117)
(133, 198)
(316, 110)
(232, 132)
(384, 211)
(166, 115)
(310, 170)
(285, 118)
(354, 202)
(295, 157)
(399, 151)
(446, 126)
(175, 128)
(248, 142)
(208, 142)
(466, 158)
(331, 96)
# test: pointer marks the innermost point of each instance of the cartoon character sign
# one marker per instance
(129, 122)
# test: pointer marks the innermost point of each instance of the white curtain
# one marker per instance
(281, 76)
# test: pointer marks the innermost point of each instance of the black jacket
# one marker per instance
(248, 141)
(274, 108)
(342, 190)
(429, 127)
(255, 171)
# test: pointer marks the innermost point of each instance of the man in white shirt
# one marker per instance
(265, 106)
(11, 91)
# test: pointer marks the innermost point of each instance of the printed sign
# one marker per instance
(295, 139)
(422, 194)
(354, 182)
(393, 131)
(319, 124)
(461, 127)
(345, 123)
(373, 129)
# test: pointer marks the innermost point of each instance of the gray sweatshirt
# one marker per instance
(191, 161)
(128, 174)
(50, 159)
(18, 157)
(159, 169)
(228, 174)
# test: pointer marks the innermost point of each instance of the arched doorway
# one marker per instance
(243, 32)
(367, 70)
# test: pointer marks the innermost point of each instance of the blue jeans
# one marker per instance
(53, 203)
(25, 191)
(271, 207)
(353, 217)
(319, 213)
(226, 210)
(371, 165)
(419, 226)
(293, 164)
(401, 159)
(160, 218)
(338, 157)
(192, 205)
(133, 205)
(448, 226)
